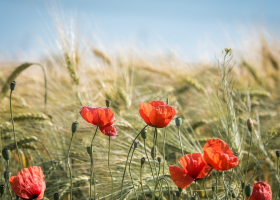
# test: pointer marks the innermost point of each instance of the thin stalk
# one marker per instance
(92, 168)
(156, 180)
(180, 140)
(141, 182)
(148, 159)
(131, 175)
(14, 129)
(278, 177)
(110, 170)
(7, 180)
(204, 182)
(70, 170)
(225, 187)
(217, 177)
(128, 156)
(195, 189)
(164, 138)
(248, 156)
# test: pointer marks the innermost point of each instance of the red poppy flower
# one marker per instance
(110, 131)
(194, 168)
(29, 183)
(218, 155)
(98, 116)
(157, 113)
(261, 191)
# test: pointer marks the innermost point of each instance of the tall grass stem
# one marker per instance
(112, 193)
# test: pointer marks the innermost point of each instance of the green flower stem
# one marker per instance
(128, 156)
(14, 129)
(131, 175)
(195, 189)
(141, 182)
(148, 159)
(225, 187)
(110, 170)
(7, 181)
(278, 178)
(248, 156)
(157, 173)
(204, 183)
(217, 178)
(180, 141)
(91, 167)
(70, 170)
(164, 138)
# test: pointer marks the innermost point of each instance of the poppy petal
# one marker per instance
(145, 111)
(261, 191)
(29, 183)
(110, 131)
(218, 155)
(180, 177)
(194, 165)
(98, 116)
(157, 103)
(161, 115)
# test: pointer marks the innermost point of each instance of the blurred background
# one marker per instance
(85, 52)
(195, 30)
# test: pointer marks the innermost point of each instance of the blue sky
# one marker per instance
(188, 27)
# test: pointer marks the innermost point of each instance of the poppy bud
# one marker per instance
(7, 175)
(2, 189)
(136, 144)
(250, 125)
(178, 121)
(167, 101)
(142, 161)
(278, 153)
(180, 190)
(108, 103)
(233, 195)
(13, 85)
(75, 126)
(89, 150)
(159, 159)
(154, 152)
(56, 196)
(144, 134)
(6, 154)
(248, 190)
(242, 184)
(213, 188)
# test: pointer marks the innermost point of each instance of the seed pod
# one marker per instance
(142, 161)
(136, 144)
(2, 189)
(6, 154)
(178, 121)
(278, 153)
(144, 134)
(248, 190)
(56, 196)
(89, 150)
(13, 85)
(108, 103)
(75, 126)
(7, 175)
(242, 184)
(159, 159)
(213, 188)
(250, 125)
(154, 152)
(233, 195)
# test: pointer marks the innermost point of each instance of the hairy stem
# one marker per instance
(92, 168)
(70, 170)
(110, 170)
